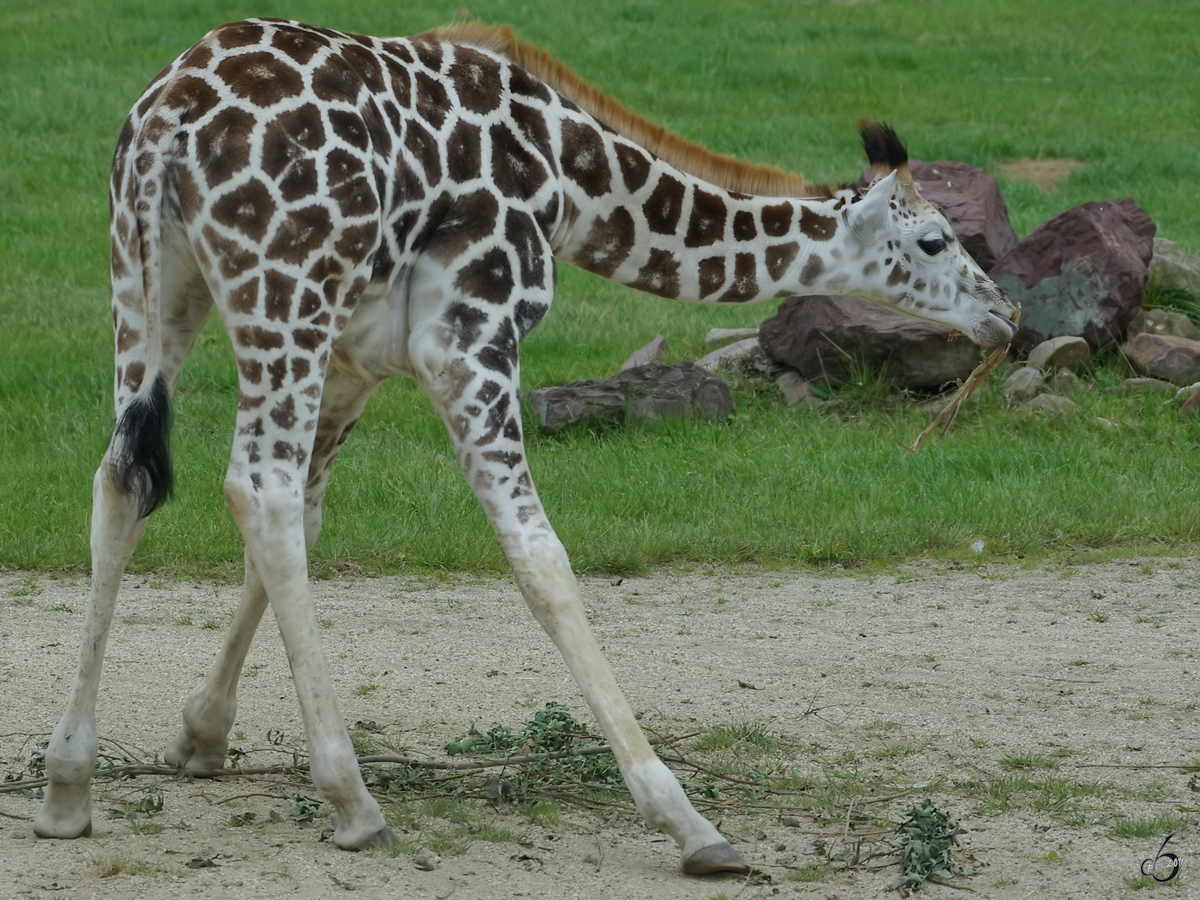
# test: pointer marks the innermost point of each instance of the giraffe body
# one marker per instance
(357, 208)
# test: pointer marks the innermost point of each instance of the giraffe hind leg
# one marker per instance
(202, 742)
(132, 480)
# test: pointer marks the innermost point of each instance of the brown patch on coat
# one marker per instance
(634, 164)
(584, 159)
(664, 206)
(261, 78)
(817, 226)
(778, 257)
(608, 243)
(706, 224)
(660, 275)
(476, 80)
(712, 275)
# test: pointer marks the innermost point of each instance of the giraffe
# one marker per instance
(357, 208)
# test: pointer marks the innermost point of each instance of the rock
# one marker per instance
(1143, 386)
(1107, 424)
(1024, 383)
(1051, 403)
(1172, 267)
(820, 336)
(1063, 381)
(720, 337)
(1172, 359)
(728, 353)
(1060, 353)
(652, 391)
(971, 203)
(795, 390)
(1082, 273)
(1186, 392)
(652, 352)
(1191, 406)
(1163, 321)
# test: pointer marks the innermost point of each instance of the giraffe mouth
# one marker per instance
(1005, 327)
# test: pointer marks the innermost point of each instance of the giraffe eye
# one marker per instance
(932, 246)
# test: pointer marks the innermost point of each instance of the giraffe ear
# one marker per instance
(869, 216)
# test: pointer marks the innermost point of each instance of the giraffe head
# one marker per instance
(911, 260)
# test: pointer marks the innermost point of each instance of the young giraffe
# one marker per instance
(358, 208)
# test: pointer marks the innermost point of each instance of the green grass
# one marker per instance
(1109, 83)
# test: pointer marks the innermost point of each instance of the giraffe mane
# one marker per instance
(724, 171)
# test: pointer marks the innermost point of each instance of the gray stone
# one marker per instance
(652, 352)
(971, 202)
(1191, 406)
(1060, 353)
(728, 353)
(652, 391)
(795, 390)
(1172, 359)
(1186, 392)
(1143, 386)
(1024, 383)
(1172, 267)
(822, 337)
(1063, 381)
(1163, 321)
(720, 337)
(1051, 403)
(1082, 273)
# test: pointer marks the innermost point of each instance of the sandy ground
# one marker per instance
(931, 677)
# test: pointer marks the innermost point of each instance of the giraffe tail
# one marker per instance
(139, 457)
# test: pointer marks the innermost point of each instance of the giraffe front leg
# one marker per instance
(478, 400)
(544, 576)
(66, 810)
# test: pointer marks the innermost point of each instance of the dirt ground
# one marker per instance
(933, 678)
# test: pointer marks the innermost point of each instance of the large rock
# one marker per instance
(971, 203)
(1172, 267)
(1161, 356)
(653, 391)
(1163, 321)
(1082, 273)
(1060, 353)
(723, 337)
(820, 336)
(729, 354)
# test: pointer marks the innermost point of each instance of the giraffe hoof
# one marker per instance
(715, 858)
(375, 840)
(61, 831)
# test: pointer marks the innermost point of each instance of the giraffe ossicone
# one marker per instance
(357, 208)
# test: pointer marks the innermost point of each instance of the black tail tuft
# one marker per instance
(882, 146)
(140, 458)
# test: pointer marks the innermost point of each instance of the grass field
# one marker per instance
(1110, 83)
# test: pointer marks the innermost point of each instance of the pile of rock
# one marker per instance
(1079, 280)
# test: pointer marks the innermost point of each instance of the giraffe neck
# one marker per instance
(666, 232)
